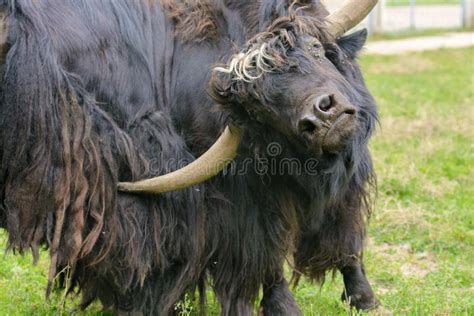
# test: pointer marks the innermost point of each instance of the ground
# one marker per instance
(421, 247)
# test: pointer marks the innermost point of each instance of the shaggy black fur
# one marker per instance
(99, 91)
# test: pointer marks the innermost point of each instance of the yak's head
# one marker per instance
(295, 79)
(298, 78)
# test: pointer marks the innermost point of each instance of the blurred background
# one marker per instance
(400, 15)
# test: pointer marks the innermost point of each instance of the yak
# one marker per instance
(108, 109)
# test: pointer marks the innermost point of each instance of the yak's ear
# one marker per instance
(223, 89)
(353, 43)
(231, 95)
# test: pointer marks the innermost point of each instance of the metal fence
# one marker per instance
(420, 2)
(394, 15)
(397, 15)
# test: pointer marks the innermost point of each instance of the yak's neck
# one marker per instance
(269, 158)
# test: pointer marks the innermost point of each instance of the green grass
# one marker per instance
(420, 253)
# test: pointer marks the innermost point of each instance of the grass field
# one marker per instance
(420, 254)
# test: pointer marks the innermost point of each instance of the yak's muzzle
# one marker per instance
(327, 121)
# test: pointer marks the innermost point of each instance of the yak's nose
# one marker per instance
(328, 105)
(323, 111)
(308, 125)
(323, 103)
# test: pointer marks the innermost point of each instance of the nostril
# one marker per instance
(307, 126)
(350, 111)
(324, 103)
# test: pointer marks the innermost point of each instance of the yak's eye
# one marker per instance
(315, 48)
(316, 45)
(336, 55)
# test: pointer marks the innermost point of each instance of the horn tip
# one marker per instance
(125, 187)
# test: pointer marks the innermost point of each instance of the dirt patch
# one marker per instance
(428, 124)
(414, 264)
(404, 217)
(424, 264)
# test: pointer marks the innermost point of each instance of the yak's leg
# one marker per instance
(277, 299)
(125, 313)
(337, 241)
(357, 290)
(235, 306)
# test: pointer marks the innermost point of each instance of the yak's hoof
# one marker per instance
(284, 306)
(361, 301)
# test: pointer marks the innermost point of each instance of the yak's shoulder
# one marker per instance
(194, 20)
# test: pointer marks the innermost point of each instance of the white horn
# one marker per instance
(3, 36)
(351, 14)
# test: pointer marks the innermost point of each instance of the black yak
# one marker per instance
(98, 94)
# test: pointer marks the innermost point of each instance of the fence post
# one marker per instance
(467, 13)
(412, 14)
(375, 22)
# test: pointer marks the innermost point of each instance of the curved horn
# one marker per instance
(205, 167)
(351, 14)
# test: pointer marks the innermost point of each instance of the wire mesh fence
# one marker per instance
(399, 15)
(424, 14)
(421, 2)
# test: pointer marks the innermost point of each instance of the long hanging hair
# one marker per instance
(61, 157)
